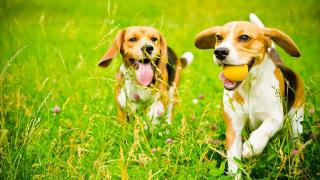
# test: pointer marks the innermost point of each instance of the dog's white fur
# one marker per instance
(147, 96)
(137, 88)
(262, 108)
(260, 104)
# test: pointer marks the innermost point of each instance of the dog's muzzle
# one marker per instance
(221, 53)
(147, 48)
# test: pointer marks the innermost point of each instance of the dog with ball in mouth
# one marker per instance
(259, 90)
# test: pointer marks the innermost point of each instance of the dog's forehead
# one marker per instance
(142, 30)
(241, 27)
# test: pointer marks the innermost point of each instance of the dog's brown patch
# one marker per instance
(237, 97)
(122, 117)
(293, 88)
(230, 135)
(274, 56)
(299, 99)
(279, 76)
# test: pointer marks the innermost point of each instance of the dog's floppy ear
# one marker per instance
(112, 51)
(283, 40)
(163, 49)
(206, 39)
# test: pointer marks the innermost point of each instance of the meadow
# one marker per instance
(57, 108)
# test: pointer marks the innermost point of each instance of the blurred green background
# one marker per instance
(49, 50)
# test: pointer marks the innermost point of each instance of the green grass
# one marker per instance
(49, 50)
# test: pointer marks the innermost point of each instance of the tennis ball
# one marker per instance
(235, 73)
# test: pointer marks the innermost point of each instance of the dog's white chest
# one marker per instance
(134, 96)
(261, 95)
(136, 93)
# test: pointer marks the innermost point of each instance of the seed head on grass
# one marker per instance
(193, 116)
(153, 150)
(213, 126)
(56, 109)
(295, 152)
(313, 136)
(312, 111)
(201, 96)
(169, 141)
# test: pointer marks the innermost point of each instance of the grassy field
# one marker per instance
(48, 55)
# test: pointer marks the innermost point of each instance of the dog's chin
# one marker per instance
(229, 85)
(232, 85)
(217, 62)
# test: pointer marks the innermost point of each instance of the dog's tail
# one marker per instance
(186, 59)
(180, 63)
(272, 50)
(255, 19)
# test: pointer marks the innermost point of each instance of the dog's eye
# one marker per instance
(133, 39)
(154, 39)
(244, 38)
(219, 38)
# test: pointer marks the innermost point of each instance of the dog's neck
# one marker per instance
(259, 70)
(133, 90)
(258, 74)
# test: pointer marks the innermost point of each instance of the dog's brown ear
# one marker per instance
(283, 40)
(112, 51)
(206, 39)
(163, 49)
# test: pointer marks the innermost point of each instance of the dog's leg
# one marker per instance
(259, 138)
(296, 113)
(155, 111)
(234, 126)
(121, 99)
(296, 117)
(161, 100)
(122, 117)
(171, 104)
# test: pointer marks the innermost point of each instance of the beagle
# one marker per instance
(269, 91)
(149, 73)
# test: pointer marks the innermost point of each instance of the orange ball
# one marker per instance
(235, 73)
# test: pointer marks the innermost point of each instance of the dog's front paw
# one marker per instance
(250, 149)
(247, 150)
(155, 111)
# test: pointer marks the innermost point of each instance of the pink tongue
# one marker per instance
(144, 73)
(225, 81)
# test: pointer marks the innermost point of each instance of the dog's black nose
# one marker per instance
(148, 48)
(221, 53)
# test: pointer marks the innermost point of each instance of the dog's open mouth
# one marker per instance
(144, 71)
(229, 84)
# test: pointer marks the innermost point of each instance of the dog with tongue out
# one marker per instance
(148, 76)
(144, 73)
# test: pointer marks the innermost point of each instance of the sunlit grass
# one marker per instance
(49, 51)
